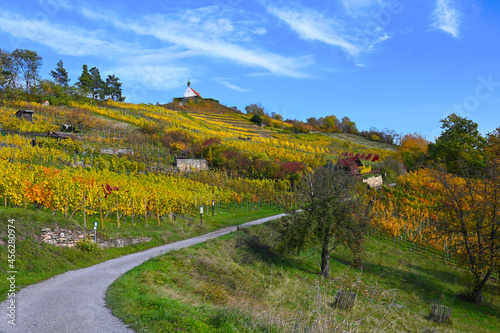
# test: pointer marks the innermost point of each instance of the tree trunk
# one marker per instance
(477, 291)
(325, 257)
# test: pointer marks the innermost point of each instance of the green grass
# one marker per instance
(285, 293)
(36, 261)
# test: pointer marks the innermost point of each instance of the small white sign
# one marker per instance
(95, 225)
(201, 210)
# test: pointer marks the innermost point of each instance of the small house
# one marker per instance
(25, 114)
(352, 164)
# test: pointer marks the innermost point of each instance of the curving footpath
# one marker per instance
(74, 302)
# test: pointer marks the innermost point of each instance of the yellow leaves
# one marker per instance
(57, 188)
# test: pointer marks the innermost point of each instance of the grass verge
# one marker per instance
(36, 261)
(220, 287)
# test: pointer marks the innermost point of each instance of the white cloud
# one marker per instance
(230, 85)
(310, 25)
(446, 17)
(207, 35)
(65, 40)
(260, 31)
(353, 36)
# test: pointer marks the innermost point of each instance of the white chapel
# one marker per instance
(190, 92)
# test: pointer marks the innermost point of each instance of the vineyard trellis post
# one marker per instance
(145, 211)
(117, 214)
(100, 212)
(132, 206)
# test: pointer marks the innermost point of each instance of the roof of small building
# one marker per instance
(196, 93)
(349, 162)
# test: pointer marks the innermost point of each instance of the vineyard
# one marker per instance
(77, 175)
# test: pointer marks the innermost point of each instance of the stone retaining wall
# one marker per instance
(69, 238)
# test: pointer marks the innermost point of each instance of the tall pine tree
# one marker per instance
(114, 88)
(60, 75)
(97, 84)
(85, 82)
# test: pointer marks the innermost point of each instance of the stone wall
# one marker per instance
(63, 237)
(69, 238)
(188, 165)
(122, 242)
(374, 182)
(117, 151)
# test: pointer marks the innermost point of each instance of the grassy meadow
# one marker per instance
(247, 286)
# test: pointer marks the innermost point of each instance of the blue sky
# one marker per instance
(399, 64)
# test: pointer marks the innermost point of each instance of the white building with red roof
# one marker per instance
(190, 92)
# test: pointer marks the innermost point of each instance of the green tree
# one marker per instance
(60, 74)
(460, 147)
(332, 212)
(85, 82)
(276, 116)
(256, 119)
(98, 85)
(257, 109)
(348, 126)
(28, 65)
(330, 124)
(7, 75)
(113, 88)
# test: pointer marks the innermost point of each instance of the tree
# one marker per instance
(276, 116)
(330, 124)
(28, 65)
(312, 121)
(8, 75)
(85, 81)
(113, 88)
(348, 126)
(460, 146)
(332, 213)
(413, 150)
(256, 119)
(469, 221)
(257, 109)
(98, 86)
(60, 74)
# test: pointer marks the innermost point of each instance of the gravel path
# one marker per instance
(74, 302)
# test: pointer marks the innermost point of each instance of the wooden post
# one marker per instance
(132, 205)
(84, 215)
(145, 212)
(100, 212)
(65, 203)
(78, 206)
(157, 213)
(117, 214)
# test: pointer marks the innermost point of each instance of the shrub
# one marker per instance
(89, 246)
(256, 119)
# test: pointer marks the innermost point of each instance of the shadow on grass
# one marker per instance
(428, 284)
(257, 248)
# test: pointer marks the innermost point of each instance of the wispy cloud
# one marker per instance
(350, 34)
(446, 17)
(310, 25)
(65, 40)
(230, 85)
(208, 36)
